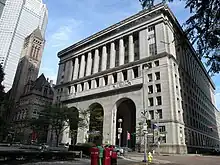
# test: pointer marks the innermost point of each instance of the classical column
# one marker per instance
(82, 66)
(121, 52)
(76, 68)
(112, 55)
(131, 48)
(89, 64)
(70, 70)
(96, 61)
(104, 58)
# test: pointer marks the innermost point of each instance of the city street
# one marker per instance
(77, 162)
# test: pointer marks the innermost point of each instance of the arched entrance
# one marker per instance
(126, 111)
(73, 122)
(96, 123)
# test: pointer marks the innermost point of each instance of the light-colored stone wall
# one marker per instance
(161, 52)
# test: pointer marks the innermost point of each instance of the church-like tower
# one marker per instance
(29, 63)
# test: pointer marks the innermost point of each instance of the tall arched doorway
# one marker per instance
(73, 123)
(96, 123)
(126, 111)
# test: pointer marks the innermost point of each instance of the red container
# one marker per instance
(107, 158)
(94, 155)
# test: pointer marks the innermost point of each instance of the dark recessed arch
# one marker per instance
(96, 123)
(126, 110)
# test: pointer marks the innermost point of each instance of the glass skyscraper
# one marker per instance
(2, 4)
(19, 19)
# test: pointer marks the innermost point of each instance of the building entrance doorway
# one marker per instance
(126, 111)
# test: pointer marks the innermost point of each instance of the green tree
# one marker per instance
(58, 118)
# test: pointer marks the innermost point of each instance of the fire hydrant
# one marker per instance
(149, 157)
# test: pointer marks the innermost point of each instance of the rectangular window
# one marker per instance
(106, 80)
(159, 100)
(89, 82)
(157, 75)
(162, 130)
(124, 72)
(151, 101)
(150, 89)
(151, 28)
(115, 77)
(151, 113)
(149, 65)
(158, 88)
(97, 82)
(150, 77)
(152, 49)
(156, 63)
(159, 113)
(135, 70)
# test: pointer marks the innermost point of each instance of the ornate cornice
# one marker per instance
(132, 21)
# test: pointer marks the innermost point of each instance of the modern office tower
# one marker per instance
(142, 68)
(2, 5)
(19, 19)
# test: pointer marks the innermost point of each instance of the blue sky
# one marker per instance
(73, 20)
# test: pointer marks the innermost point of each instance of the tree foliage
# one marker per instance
(58, 118)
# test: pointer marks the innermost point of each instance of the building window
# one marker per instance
(151, 113)
(157, 74)
(159, 113)
(135, 70)
(162, 130)
(152, 49)
(97, 82)
(89, 82)
(124, 72)
(151, 28)
(158, 88)
(150, 89)
(150, 77)
(156, 63)
(149, 65)
(115, 77)
(159, 100)
(106, 80)
(151, 101)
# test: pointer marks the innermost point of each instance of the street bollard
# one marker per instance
(149, 157)
(101, 151)
(94, 156)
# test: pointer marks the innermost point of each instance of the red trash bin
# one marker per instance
(107, 156)
(94, 155)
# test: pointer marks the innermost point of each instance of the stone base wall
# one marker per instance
(165, 149)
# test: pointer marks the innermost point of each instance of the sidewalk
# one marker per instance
(138, 157)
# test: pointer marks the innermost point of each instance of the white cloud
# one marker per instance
(63, 35)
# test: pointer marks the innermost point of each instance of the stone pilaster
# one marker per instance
(82, 66)
(89, 64)
(96, 61)
(76, 68)
(112, 55)
(131, 48)
(121, 52)
(104, 58)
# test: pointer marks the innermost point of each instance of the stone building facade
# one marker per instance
(143, 63)
(30, 92)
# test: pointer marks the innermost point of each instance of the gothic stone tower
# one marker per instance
(29, 63)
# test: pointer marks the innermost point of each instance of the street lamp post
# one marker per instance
(119, 131)
(145, 142)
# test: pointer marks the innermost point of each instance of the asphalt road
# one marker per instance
(77, 162)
